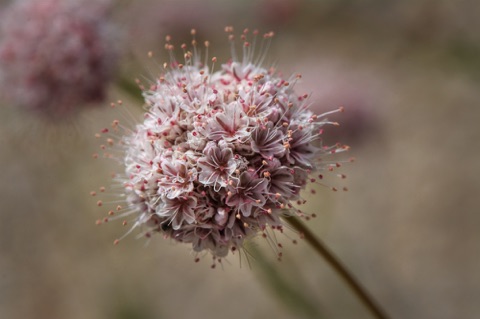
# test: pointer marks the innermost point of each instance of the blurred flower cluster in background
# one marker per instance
(407, 74)
(56, 55)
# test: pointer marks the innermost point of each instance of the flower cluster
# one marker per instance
(55, 55)
(222, 154)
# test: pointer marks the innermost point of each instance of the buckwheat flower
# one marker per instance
(217, 165)
(267, 141)
(178, 211)
(220, 155)
(55, 55)
(281, 181)
(228, 124)
(247, 191)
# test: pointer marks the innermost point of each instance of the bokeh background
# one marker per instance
(407, 73)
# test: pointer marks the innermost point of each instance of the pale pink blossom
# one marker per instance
(56, 55)
(221, 155)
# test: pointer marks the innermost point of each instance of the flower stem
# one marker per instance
(341, 270)
(129, 87)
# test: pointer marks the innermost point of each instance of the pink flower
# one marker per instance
(178, 211)
(55, 55)
(246, 192)
(217, 166)
(229, 124)
(220, 154)
(268, 141)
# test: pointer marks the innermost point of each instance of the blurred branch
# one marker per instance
(341, 270)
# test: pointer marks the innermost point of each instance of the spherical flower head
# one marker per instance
(220, 155)
(55, 55)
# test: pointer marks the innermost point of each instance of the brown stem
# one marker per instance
(341, 270)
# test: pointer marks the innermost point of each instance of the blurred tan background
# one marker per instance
(408, 74)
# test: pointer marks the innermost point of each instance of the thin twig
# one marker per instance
(341, 270)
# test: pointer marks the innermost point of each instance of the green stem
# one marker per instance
(341, 270)
(130, 88)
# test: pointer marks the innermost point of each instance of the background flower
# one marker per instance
(56, 56)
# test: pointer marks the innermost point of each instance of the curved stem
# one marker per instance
(341, 270)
